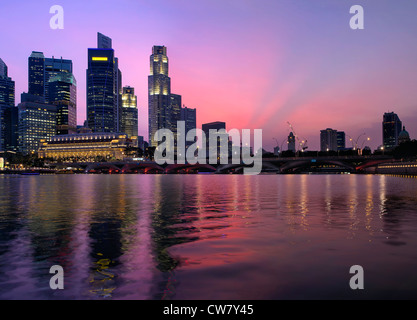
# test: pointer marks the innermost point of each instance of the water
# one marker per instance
(208, 236)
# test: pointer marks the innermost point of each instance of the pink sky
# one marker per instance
(253, 64)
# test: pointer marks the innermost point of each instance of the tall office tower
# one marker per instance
(3, 68)
(103, 42)
(341, 140)
(36, 73)
(8, 128)
(291, 142)
(7, 86)
(175, 109)
(129, 121)
(119, 92)
(53, 67)
(328, 140)
(159, 99)
(63, 94)
(41, 69)
(37, 121)
(189, 116)
(104, 88)
(8, 111)
(391, 128)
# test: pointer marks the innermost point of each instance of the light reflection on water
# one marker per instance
(207, 236)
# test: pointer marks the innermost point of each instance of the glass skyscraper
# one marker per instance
(36, 74)
(63, 94)
(129, 121)
(8, 111)
(37, 121)
(41, 69)
(391, 128)
(104, 88)
(189, 116)
(328, 140)
(53, 67)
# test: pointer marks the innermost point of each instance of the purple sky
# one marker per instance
(253, 64)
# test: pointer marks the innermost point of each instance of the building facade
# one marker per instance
(89, 147)
(7, 86)
(129, 121)
(159, 93)
(189, 116)
(104, 88)
(36, 74)
(54, 67)
(391, 128)
(341, 140)
(328, 140)
(37, 121)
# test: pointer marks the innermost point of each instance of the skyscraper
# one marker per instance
(37, 121)
(328, 140)
(391, 128)
(103, 89)
(8, 111)
(36, 74)
(129, 121)
(63, 94)
(103, 42)
(159, 99)
(41, 69)
(8, 128)
(7, 86)
(53, 67)
(341, 140)
(175, 109)
(189, 116)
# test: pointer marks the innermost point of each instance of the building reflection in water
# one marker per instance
(135, 236)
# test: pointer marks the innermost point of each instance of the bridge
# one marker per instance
(326, 164)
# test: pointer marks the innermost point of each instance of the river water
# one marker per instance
(208, 236)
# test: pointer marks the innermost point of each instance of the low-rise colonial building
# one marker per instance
(86, 147)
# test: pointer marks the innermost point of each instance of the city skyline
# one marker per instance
(348, 74)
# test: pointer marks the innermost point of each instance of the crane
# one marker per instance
(303, 143)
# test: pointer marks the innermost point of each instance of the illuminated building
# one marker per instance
(36, 74)
(391, 128)
(8, 111)
(103, 89)
(129, 121)
(54, 67)
(37, 121)
(41, 69)
(159, 85)
(328, 140)
(63, 94)
(86, 147)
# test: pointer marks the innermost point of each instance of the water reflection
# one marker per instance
(168, 236)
